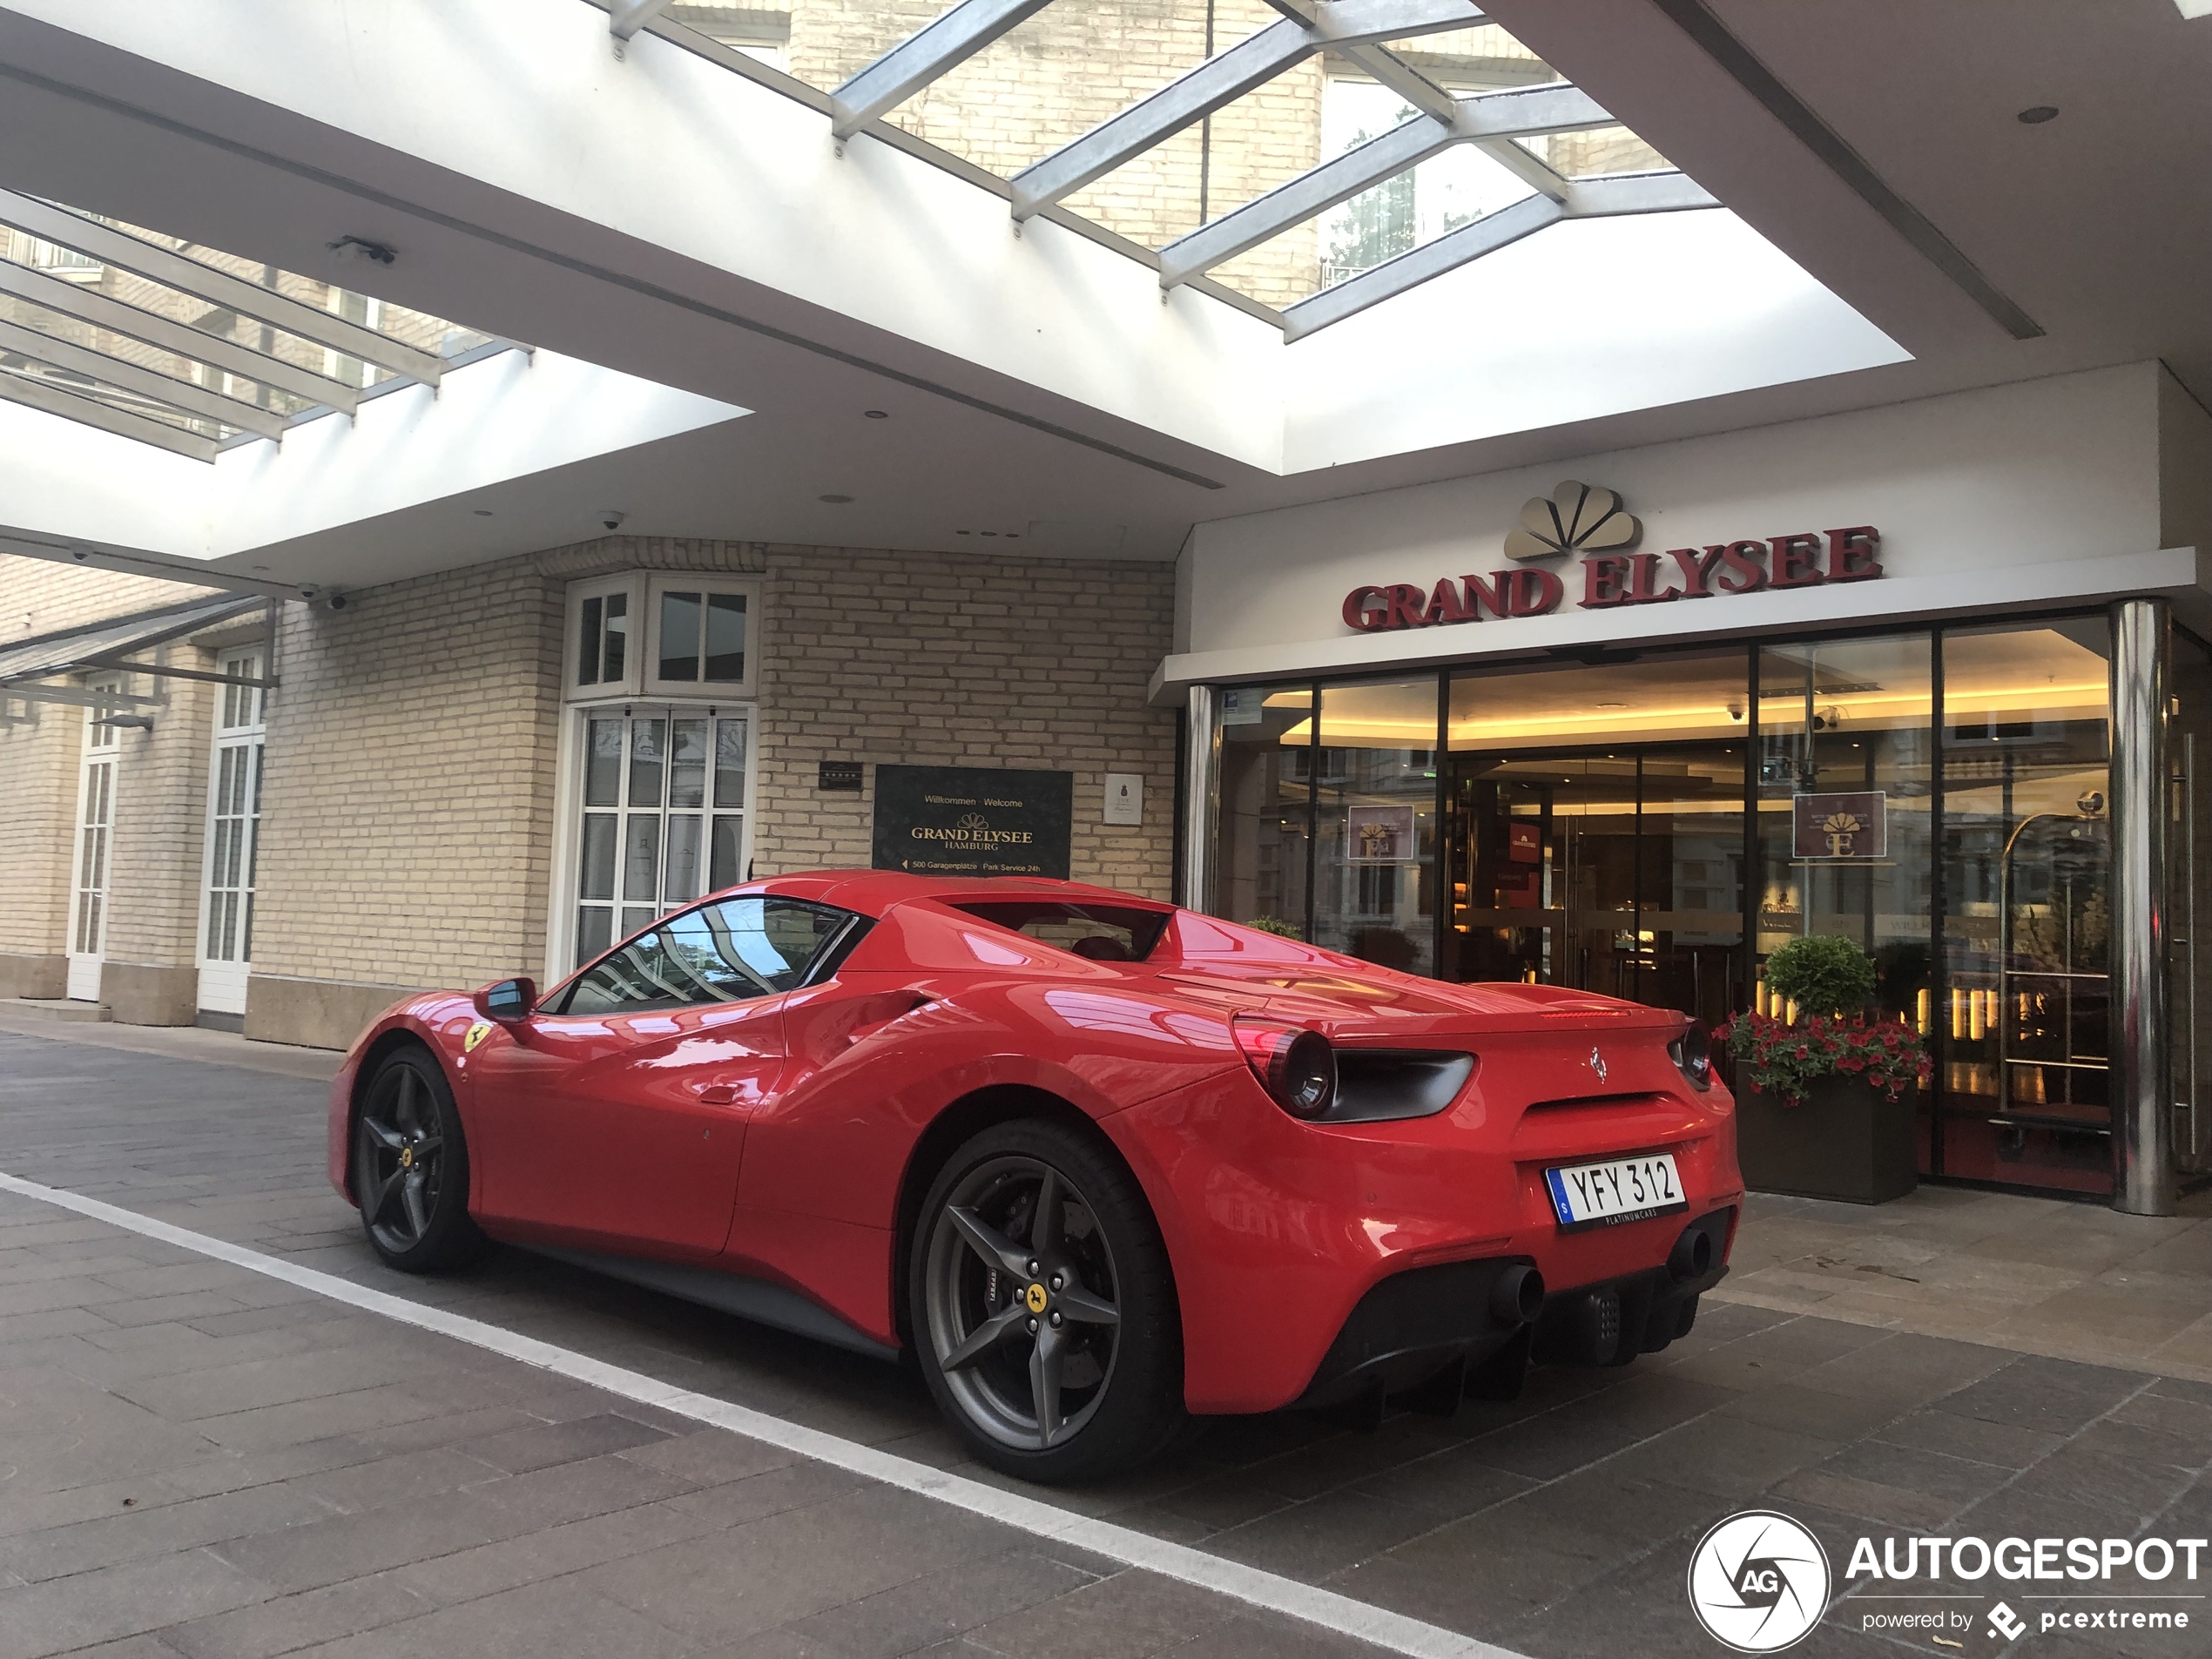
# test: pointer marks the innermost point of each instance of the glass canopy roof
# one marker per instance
(185, 347)
(1303, 159)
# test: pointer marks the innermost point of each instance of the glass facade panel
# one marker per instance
(2028, 884)
(1263, 827)
(1846, 734)
(1595, 827)
(1374, 846)
(1941, 799)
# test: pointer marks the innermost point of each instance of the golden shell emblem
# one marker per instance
(1573, 518)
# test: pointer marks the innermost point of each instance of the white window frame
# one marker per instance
(703, 583)
(222, 979)
(632, 587)
(639, 694)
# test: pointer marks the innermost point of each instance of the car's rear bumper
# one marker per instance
(1286, 1237)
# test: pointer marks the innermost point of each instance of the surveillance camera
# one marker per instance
(336, 601)
(1736, 711)
(611, 518)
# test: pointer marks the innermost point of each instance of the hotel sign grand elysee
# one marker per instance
(1576, 518)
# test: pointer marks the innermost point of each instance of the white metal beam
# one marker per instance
(45, 394)
(1484, 117)
(133, 377)
(1348, 26)
(89, 305)
(626, 17)
(1657, 192)
(923, 56)
(174, 270)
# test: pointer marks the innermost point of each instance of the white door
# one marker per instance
(95, 830)
(233, 832)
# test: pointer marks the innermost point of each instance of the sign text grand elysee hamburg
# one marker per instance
(1575, 518)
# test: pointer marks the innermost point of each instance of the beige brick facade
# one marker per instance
(160, 786)
(410, 790)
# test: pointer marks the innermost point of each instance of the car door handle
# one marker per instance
(719, 1094)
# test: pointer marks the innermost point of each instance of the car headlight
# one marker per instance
(1693, 1053)
(1294, 1064)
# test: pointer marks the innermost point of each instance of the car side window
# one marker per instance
(724, 952)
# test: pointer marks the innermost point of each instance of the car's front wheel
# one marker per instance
(1043, 1307)
(411, 1167)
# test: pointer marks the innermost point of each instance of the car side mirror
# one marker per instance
(508, 1002)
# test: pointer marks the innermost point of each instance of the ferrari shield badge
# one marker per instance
(477, 1033)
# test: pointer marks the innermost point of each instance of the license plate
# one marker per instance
(1605, 1195)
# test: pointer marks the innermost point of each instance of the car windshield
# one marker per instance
(1103, 933)
(724, 952)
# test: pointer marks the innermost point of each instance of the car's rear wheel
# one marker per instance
(411, 1167)
(1043, 1307)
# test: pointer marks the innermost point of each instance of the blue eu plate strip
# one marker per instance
(1559, 1197)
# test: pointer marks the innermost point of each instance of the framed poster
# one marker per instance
(1379, 835)
(951, 821)
(1841, 827)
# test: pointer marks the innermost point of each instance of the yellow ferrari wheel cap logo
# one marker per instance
(477, 1033)
(407, 1157)
(1035, 1298)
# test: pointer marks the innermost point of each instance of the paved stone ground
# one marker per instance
(201, 1460)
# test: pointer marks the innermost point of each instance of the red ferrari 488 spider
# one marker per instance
(1093, 1161)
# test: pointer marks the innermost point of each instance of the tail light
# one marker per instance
(1295, 1065)
(1693, 1052)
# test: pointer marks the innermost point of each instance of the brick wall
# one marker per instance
(159, 788)
(934, 659)
(408, 818)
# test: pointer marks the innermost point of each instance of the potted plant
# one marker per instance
(1828, 1112)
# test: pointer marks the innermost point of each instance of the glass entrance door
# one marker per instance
(2027, 874)
(1618, 872)
(1595, 829)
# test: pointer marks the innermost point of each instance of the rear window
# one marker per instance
(1103, 933)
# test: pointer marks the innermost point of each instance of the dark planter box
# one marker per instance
(1846, 1141)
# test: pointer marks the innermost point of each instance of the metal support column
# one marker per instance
(2141, 1093)
(1201, 797)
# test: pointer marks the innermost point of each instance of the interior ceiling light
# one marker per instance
(834, 501)
(876, 415)
(2036, 114)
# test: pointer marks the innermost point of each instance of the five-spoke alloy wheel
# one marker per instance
(1041, 1305)
(411, 1167)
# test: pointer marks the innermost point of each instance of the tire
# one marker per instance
(411, 1167)
(1068, 1370)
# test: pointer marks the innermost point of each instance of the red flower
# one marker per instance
(1803, 1052)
